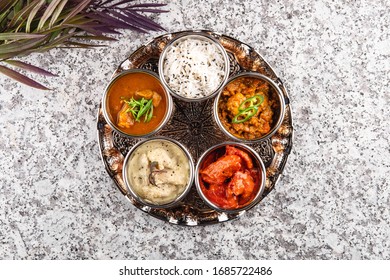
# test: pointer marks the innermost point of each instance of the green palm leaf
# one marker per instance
(77, 9)
(28, 26)
(21, 78)
(29, 67)
(22, 15)
(57, 12)
(48, 12)
(6, 5)
(21, 45)
(18, 36)
(32, 14)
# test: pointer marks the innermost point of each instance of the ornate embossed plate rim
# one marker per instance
(281, 142)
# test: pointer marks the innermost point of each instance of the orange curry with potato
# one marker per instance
(229, 178)
(137, 103)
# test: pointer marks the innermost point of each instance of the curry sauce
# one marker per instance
(240, 120)
(138, 87)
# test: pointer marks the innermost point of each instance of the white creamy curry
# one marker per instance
(158, 171)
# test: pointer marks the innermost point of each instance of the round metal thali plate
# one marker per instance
(193, 125)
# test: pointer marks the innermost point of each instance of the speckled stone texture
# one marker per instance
(332, 202)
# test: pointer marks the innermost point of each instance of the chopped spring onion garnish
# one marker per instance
(139, 108)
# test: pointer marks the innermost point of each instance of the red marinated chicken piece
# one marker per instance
(242, 185)
(217, 194)
(230, 150)
(222, 169)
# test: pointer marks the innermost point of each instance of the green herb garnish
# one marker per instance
(248, 108)
(245, 115)
(139, 108)
(254, 101)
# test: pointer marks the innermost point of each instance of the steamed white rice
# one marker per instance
(194, 68)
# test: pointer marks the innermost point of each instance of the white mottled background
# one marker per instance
(332, 202)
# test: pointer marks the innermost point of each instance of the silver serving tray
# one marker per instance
(193, 125)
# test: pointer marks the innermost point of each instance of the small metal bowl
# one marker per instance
(197, 35)
(109, 118)
(258, 163)
(126, 173)
(278, 116)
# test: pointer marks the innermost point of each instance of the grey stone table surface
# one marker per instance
(332, 202)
